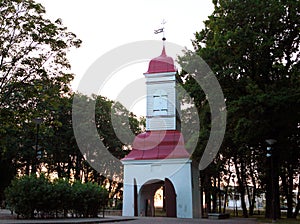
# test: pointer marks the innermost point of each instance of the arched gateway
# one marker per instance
(147, 193)
(158, 157)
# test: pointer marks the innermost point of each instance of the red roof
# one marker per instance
(158, 145)
(162, 63)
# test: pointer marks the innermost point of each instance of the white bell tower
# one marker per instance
(161, 94)
(158, 158)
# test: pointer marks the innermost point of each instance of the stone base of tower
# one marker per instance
(143, 177)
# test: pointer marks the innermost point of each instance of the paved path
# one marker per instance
(7, 218)
(162, 220)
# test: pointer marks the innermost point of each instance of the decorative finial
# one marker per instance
(163, 24)
(161, 30)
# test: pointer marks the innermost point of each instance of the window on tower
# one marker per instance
(160, 103)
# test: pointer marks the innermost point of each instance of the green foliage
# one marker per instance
(34, 82)
(34, 74)
(61, 199)
(88, 198)
(253, 49)
(29, 195)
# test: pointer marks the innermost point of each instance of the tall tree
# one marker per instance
(253, 48)
(33, 59)
(34, 73)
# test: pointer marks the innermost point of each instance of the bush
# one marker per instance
(29, 195)
(86, 198)
(62, 197)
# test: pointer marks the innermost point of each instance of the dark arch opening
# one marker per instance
(146, 198)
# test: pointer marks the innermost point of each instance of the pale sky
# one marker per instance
(103, 25)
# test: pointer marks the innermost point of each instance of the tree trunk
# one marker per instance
(201, 196)
(58, 169)
(239, 174)
(214, 195)
(207, 189)
(225, 199)
(226, 189)
(244, 207)
(219, 194)
(77, 167)
(253, 195)
(27, 169)
(298, 204)
(290, 193)
(250, 200)
(253, 201)
(287, 185)
(69, 167)
(207, 201)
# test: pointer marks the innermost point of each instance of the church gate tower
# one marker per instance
(158, 157)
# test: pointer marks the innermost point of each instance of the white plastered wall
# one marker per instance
(178, 171)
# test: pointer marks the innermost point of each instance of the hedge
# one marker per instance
(29, 196)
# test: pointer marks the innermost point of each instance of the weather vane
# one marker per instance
(161, 30)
